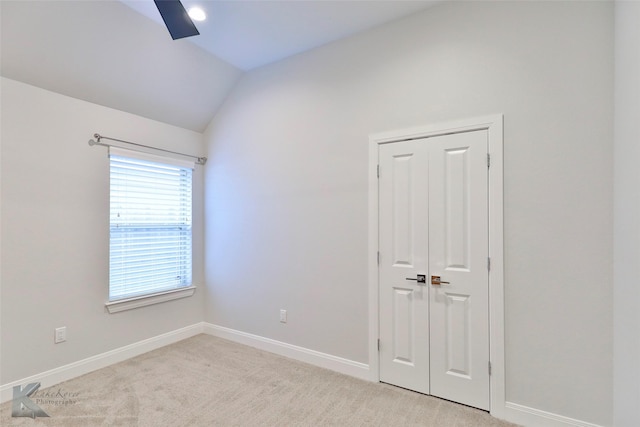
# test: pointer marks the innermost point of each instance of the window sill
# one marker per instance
(141, 301)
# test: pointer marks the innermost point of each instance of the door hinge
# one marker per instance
(488, 263)
(378, 344)
(488, 160)
(378, 171)
(489, 368)
(378, 257)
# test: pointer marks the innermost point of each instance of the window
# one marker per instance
(150, 226)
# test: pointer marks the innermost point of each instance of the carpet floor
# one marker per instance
(208, 381)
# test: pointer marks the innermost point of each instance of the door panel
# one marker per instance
(402, 170)
(403, 331)
(456, 184)
(404, 304)
(458, 253)
(457, 329)
(433, 220)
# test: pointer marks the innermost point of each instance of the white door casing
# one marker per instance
(457, 368)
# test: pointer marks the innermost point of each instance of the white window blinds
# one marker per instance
(150, 224)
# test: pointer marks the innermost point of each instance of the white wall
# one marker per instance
(286, 187)
(55, 231)
(627, 215)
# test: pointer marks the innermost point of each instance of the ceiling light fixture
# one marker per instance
(197, 14)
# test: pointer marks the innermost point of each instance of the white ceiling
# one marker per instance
(106, 53)
(249, 34)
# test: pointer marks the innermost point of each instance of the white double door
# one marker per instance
(433, 221)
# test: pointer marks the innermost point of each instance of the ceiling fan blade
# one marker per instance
(176, 19)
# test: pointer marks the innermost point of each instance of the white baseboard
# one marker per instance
(511, 412)
(81, 367)
(323, 360)
(526, 416)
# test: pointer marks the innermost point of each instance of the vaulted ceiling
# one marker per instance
(120, 55)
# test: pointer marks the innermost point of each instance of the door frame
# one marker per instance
(493, 124)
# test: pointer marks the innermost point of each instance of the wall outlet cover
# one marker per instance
(60, 335)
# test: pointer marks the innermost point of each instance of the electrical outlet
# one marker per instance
(60, 335)
(283, 316)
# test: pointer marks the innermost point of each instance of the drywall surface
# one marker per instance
(55, 231)
(286, 186)
(106, 53)
(627, 215)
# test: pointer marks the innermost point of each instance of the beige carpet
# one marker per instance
(208, 381)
